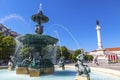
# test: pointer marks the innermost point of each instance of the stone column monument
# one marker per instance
(100, 56)
(98, 35)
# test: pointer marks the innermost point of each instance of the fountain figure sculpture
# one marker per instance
(39, 18)
(12, 63)
(82, 70)
(62, 62)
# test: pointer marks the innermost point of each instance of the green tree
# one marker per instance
(1, 46)
(59, 53)
(71, 55)
(89, 57)
(76, 53)
(63, 51)
(25, 51)
(7, 46)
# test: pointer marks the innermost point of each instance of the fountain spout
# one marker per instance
(40, 8)
(39, 18)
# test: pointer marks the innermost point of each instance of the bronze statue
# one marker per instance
(62, 62)
(97, 22)
(39, 29)
(82, 70)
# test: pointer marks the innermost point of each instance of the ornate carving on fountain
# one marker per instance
(22, 70)
(25, 63)
(39, 29)
(39, 18)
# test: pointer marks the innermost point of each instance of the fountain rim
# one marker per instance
(103, 70)
(71, 67)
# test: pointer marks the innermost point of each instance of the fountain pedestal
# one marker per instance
(34, 72)
(49, 70)
(22, 70)
(82, 78)
(37, 72)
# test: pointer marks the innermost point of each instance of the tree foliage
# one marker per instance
(7, 46)
(25, 52)
(89, 57)
(63, 51)
(75, 54)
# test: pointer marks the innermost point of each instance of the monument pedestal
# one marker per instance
(22, 70)
(101, 56)
(49, 70)
(82, 78)
(100, 52)
(34, 72)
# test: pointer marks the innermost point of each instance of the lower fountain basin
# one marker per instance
(58, 75)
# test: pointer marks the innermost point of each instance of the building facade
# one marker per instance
(110, 55)
(7, 32)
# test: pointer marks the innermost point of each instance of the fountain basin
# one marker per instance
(68, 74)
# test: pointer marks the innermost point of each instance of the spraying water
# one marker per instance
(17, 50)
(59, 25)
(59, 41)
(50, 53)
(40, 7)
(15, 16)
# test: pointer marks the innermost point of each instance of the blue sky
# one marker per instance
(72, 21)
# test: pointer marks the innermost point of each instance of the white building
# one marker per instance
(112, 54)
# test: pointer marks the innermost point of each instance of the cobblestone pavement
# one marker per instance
(114, 66)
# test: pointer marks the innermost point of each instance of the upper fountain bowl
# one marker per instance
(40, 18)
(37, 41)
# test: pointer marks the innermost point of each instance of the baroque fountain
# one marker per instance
(38, 50)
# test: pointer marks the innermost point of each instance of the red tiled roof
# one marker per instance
(94, 51)
(110, 49)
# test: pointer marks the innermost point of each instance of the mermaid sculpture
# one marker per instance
(82, 70)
